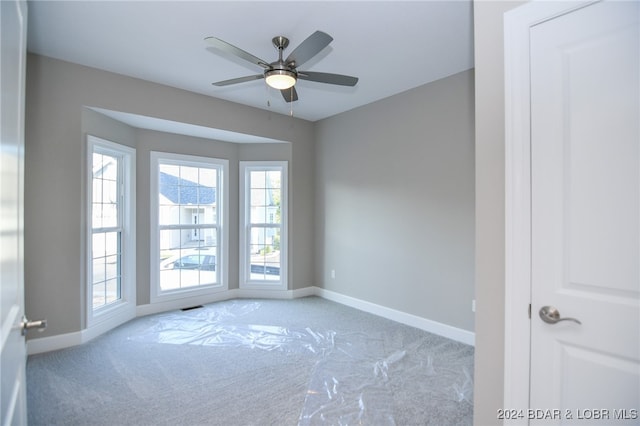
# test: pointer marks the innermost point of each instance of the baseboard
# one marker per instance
(61, 341)
(236, 293)
(184, 302)
(276, 294)
(434, 327)
(54, 343)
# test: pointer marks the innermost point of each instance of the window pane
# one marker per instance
(112, 267)
(98, 245)
(109, 191)
(170, 169)
(109, 167)
(112, 291)
(97, 191)
(99, 270)
(265, 253)
(273, 178)
(258, 179)
(99, 296)
(97, 163)
(185, 191)
(189, 176)
(169, 214)
(265, 196)
(258, 197)
(96, 215)
(112, 243)
(258, 204)
(188, 258)
(208, 177)
(105, 266)
(109, 215)
(272, 271)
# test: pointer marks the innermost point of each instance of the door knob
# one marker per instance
(40, 325)
(551, 315)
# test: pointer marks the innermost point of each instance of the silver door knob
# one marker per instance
(27, 325)
(551, 315)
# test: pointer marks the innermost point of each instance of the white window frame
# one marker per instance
(245, 204)
(222, 197)
(125, 307)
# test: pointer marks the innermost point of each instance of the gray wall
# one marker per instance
(385, 180)
(56, 124)
(490, 249)
(395, 188)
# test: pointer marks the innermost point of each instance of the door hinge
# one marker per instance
(529, 310)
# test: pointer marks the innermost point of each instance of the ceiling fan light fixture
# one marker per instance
(280, 79)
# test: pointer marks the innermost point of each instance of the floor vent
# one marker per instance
(191, 307)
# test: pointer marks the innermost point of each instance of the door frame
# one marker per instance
(11, 322)
(517, 341)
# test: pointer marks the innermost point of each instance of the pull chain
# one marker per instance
(291, 103)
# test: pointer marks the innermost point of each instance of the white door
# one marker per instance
(585, 236)
(13, 17)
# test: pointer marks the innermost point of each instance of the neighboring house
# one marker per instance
(183, 201)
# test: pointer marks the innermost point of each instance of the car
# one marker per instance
(191, 259)
(265, 269)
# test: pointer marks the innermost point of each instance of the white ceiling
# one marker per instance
(391, 46)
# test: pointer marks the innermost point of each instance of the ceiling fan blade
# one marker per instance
(309, 48)
(238, 80)
(290, 95)
(230, 48)
(325, 77)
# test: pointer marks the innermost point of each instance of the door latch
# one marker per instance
(27, 325)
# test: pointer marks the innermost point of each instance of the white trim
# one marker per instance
(251, 293)
(124, 309)
(454, 333)
(61, 341)
(517, 24)
(222, 258)
(54, 343)
(185, 302)
(243, 223)
(156, 308)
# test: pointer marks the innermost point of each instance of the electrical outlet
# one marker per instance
(333, 274)
(473, 305)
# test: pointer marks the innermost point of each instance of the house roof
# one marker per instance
(184, 191)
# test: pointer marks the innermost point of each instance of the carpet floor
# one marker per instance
(306, 361)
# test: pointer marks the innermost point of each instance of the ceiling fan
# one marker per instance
(283, 73)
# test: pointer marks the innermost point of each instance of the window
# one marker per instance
(111, 227)
(263, 224)
(188, 225)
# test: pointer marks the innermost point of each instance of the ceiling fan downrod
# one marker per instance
(281, 75)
